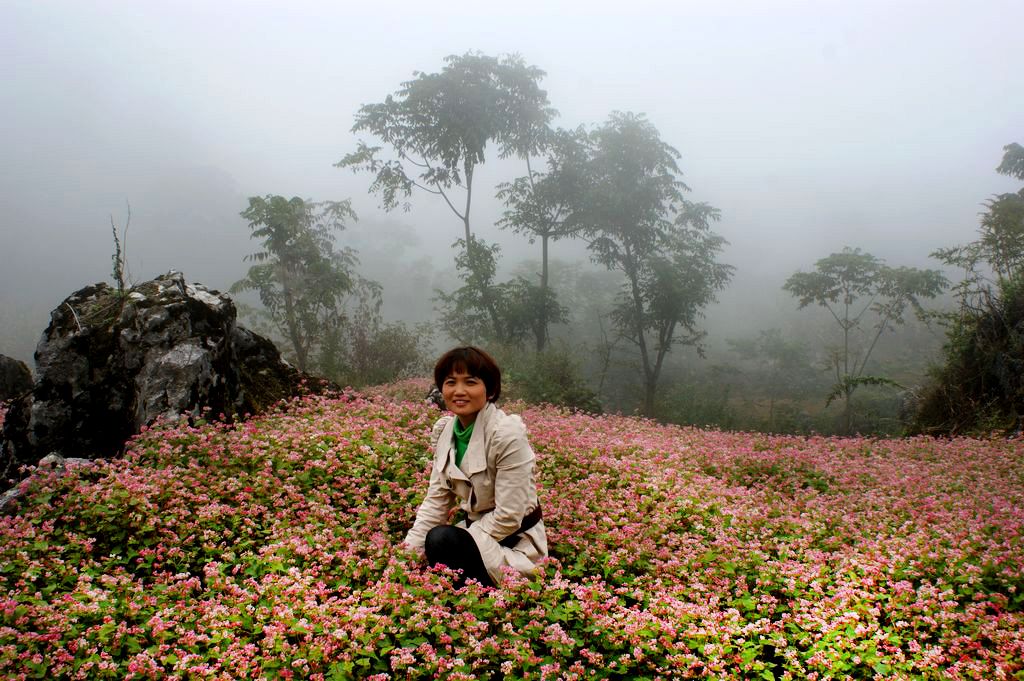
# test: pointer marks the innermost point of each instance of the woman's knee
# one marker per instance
(443, 535)
(455, 547)
(445, 543)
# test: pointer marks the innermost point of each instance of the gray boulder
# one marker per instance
(109, 363)
(15, 378)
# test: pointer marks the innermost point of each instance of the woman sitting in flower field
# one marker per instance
(483, 465)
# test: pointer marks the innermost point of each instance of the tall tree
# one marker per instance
(865, 297)
(437, 127)
(999, 248)
(540, 205)
(300, 278)
(639, 224)
(980, 386)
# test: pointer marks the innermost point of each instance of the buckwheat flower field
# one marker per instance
(268, 549)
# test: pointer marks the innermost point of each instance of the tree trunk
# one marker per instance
(486, 295)
(649, 392)
(492, 312)
(542, 332)
(469, 202)
(650, 377)
(847, 413)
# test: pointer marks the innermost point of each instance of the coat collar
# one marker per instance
(476, 453)
(475, 459)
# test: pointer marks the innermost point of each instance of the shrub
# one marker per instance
(980, 386)
(702, 402)
(552, 376)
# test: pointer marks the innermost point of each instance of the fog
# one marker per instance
(810, 125)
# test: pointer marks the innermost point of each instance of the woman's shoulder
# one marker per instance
(504, 426)
(440, 423)
(439, 426)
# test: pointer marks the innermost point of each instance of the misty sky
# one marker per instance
(811, 125)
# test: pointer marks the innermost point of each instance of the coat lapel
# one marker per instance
(445, 455)
(476, 453)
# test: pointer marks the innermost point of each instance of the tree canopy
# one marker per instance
(637, 222)
(542, 205)
(438, 126)
(1000, 242)
(857, 288)
(299, 276)
(980, 386)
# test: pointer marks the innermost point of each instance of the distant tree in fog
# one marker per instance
(542, 205)
(436, 128)
(980, 385)
(366, 350)
(865, 297)
(301, 280)
(999, 248)
(638, 223)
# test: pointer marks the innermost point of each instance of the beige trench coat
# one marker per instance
(496, 488)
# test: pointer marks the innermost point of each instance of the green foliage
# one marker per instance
(540, 205)
(980, 386)
(781, 370)
(997, 255)
(300, 278)
(848, 384)
(482, 311)
(552, 376)
(469, 314)
(637, 222)
(368, 351)
(1000, 243)
(1012, 164)
(528, 309)
(856, 288)
(838, 280)
(438, 126)
(700, 397)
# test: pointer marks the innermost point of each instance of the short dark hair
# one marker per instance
(474, 362)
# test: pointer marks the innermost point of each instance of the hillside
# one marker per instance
(267, 549)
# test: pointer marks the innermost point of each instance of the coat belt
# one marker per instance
(529, 520)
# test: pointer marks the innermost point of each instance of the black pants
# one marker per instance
(454, 547)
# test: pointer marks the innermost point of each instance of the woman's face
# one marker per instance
(464, 395)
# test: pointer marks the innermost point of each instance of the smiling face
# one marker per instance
(464, 395)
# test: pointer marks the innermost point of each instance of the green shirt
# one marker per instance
(461, 440)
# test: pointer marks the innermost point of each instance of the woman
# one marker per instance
(483, 465)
